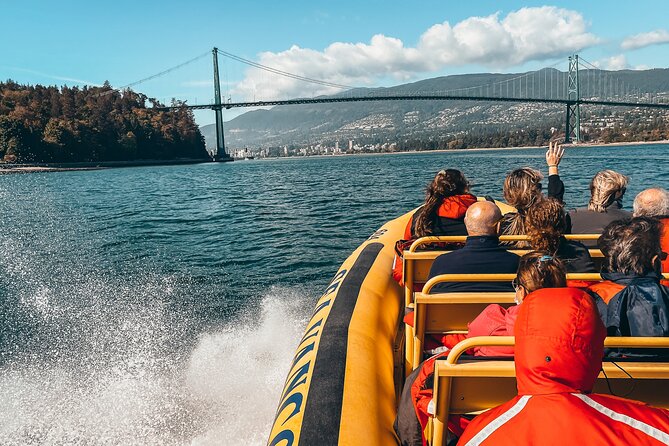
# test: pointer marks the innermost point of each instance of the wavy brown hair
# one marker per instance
(522, 189)
(629, 245)
(446, 183)
(606, 187)
(538, 270)
(546, 223)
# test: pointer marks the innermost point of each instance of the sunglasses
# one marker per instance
(516, 284)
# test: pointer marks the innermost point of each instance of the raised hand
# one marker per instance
(554, 156)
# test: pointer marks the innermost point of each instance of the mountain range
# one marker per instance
(389, 121)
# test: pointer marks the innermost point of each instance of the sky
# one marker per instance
(350, 43)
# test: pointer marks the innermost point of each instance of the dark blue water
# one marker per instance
(161, 305)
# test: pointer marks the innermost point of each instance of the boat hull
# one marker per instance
(342, 384)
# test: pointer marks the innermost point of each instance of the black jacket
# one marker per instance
(575, 257)
(480, 255)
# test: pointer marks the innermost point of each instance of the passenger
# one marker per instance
(536, 270)
(447, 199)
(546, 226)
(481, 254)
(607, 189)
(522, 189)
(655, 203)
(559, 349)
(631, 300)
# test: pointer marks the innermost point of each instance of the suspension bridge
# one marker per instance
(588, 86)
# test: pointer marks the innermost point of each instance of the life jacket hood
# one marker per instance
(559, 342)
(456, 206)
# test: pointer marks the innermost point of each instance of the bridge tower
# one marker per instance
(221, 154)
(573, 119)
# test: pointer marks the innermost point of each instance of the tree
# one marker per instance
(14, 140)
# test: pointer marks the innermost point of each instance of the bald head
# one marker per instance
(652, 203)
(482, 217)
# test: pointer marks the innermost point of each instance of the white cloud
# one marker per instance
(645, 39)
(618, 62)
(528, 34)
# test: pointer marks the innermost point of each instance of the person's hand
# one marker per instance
(553, 157)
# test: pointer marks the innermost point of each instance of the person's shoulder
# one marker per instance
(579, 211)
(444, 259)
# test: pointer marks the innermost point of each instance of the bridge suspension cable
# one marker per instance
(162, 73)
(284, 73)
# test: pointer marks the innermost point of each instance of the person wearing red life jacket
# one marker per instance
(558, 355)
(535, 270)
(655, 203)
(631, 300)
(447, 199)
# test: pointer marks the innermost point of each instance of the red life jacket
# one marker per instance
(606, 289)
(559, 348)
(664, 242)
(451, 208)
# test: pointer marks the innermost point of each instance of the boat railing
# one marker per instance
(417, 263)
(424, 241)
(469, 386)
(450, 312)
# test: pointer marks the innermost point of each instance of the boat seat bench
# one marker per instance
(471, 386)
(444, 313)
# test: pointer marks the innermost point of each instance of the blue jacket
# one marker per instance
(639, 309)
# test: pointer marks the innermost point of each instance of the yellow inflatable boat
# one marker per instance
(342, 385)
(346, 376)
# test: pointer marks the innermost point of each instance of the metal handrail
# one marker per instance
(509, 341)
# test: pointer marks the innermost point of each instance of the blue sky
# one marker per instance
(73, 42)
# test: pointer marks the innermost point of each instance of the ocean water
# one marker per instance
(162, 305)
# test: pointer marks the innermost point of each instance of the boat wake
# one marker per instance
(128, 373)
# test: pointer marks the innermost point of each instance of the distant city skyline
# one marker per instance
(370, 43)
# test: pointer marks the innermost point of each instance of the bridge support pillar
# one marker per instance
(221, 154)
(573, 119)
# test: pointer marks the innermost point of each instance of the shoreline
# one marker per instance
(6, 169)
(477, 149)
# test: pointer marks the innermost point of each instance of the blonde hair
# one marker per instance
(538, 270)
(522, 189)
(606, 187)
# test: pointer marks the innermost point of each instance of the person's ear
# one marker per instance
(657, 264)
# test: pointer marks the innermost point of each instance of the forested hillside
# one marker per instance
(41, 124)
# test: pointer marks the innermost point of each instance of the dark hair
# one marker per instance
(538, 270)
(629, 245)
(445, 184)
(546, 223)
(522, 189)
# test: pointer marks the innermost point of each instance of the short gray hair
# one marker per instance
(652, 202)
